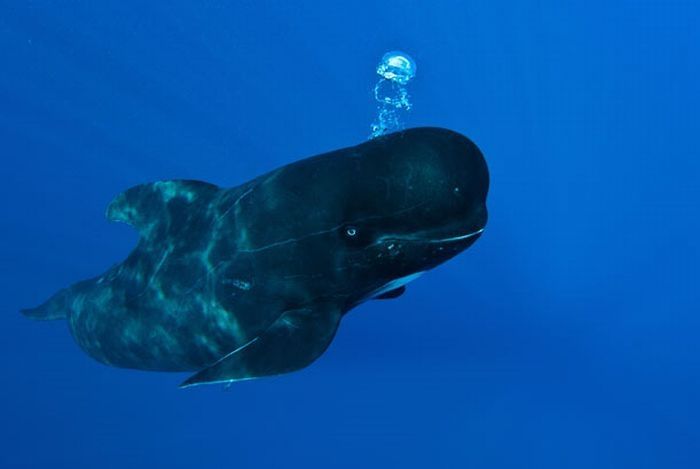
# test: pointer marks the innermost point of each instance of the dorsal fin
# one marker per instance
(148, 205)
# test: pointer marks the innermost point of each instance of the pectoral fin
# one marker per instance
(293, 341)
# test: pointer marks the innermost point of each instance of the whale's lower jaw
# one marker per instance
(393, 285)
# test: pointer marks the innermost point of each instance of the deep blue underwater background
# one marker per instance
(567, 336)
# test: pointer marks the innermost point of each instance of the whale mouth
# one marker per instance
(432, 240)
(461, 237)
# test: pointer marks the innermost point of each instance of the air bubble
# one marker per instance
(396, 69)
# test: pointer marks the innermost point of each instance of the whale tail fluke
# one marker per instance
(55, 307)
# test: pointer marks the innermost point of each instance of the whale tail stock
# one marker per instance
(56, 307)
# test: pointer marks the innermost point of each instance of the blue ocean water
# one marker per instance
(567, 336)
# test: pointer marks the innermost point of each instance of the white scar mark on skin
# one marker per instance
(247, 344)
(156, 270)
(291, 240)
(317, 233)
(254, 185)
(235, 203)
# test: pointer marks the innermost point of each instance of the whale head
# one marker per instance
(369, 218)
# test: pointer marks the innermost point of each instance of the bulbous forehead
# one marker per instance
(423, 166)
(410, 156)
(425, 160)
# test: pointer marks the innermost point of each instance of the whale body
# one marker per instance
(253, 281)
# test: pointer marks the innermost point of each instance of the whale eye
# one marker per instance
(356, 236)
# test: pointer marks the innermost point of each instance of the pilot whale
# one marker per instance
(252, 281)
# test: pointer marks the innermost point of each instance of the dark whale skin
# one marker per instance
(253, 280)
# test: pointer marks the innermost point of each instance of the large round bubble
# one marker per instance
(397, 66)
